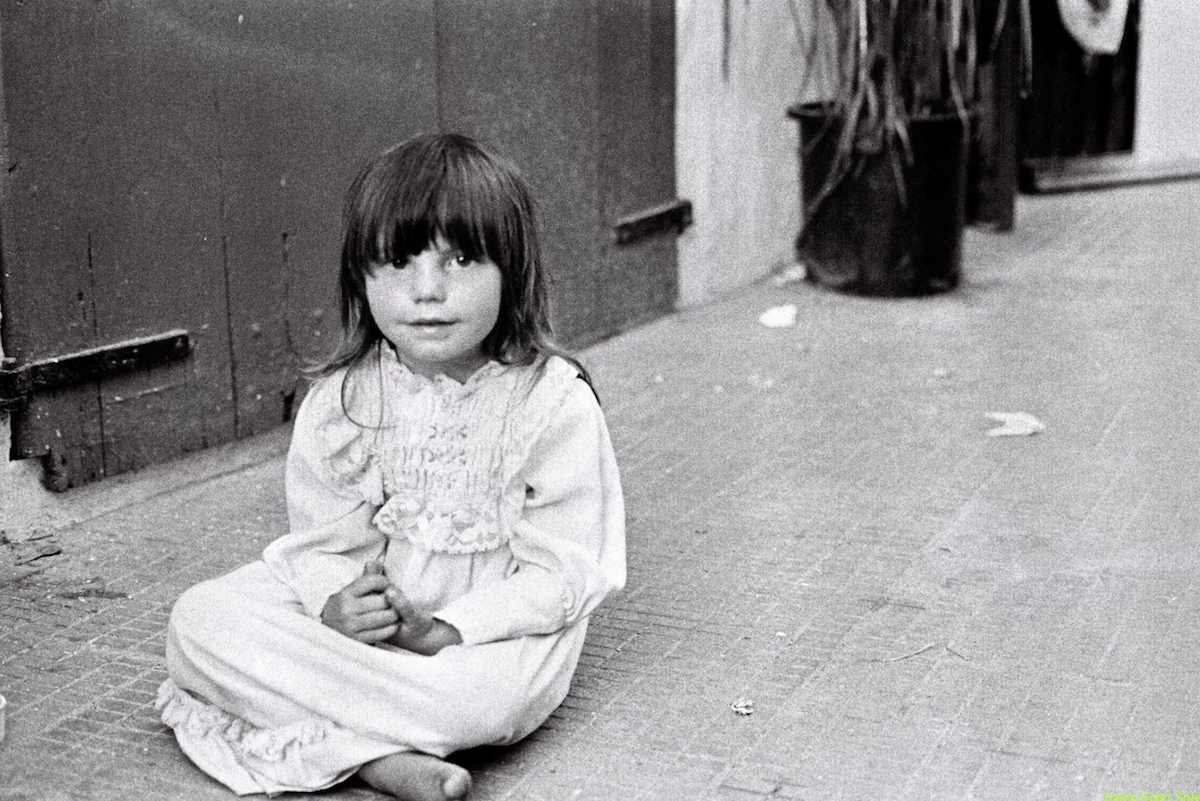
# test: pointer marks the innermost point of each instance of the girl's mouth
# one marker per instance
(430, 327)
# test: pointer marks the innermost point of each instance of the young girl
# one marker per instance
(454, 505)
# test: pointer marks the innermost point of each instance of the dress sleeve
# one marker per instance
(569, 545)
(331, 537)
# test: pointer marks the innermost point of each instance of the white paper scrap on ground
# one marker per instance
(779, 316)
(1015, 424)
(743, 706)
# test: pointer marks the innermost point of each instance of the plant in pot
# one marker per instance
(884, 152)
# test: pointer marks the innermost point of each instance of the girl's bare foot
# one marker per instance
(417, 777)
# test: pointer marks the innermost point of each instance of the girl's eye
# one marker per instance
(400, 264)
(462, 260)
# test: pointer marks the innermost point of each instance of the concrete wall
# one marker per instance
(1167, 121)
(738, 69)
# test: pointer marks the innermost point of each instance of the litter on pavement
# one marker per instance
(779, 316)
(743, 706)
(1015, 424)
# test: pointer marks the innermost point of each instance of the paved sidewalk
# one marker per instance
(820, 529)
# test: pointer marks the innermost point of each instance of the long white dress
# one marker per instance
(495, 503)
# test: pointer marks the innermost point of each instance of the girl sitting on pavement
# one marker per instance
(454, 505)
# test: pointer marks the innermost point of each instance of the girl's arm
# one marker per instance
(570, 543)
(331, 537)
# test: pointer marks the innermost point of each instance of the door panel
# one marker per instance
(111, 219)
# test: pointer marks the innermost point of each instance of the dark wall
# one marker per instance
(178, 164)
(1081, 104)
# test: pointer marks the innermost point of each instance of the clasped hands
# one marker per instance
(372, 610)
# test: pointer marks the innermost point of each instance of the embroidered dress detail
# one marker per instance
(438, 457)
(200, 720)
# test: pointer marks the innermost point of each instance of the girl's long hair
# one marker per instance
(447, 186)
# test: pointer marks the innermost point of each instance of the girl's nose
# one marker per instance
(429, 280)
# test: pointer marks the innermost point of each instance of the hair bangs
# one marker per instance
(406, 204)
(471, 213)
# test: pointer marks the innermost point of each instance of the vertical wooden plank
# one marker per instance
(737, 148)
(637, 156)
(156, 239)
(307, 91)
(523, 77)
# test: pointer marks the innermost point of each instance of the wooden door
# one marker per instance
(178, 165)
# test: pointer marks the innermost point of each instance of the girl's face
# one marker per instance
(436, 309)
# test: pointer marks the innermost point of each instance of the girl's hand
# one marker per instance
(360, 611)
(418, 631)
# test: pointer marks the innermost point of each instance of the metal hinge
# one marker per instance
(674, 216)
(19, 382)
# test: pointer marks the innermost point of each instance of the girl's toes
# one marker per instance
(458, 785)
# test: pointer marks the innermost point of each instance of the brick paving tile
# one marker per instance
(819, 524)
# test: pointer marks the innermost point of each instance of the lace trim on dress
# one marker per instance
(199, 720)
(445, 525)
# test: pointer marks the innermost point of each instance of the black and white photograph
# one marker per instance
(600, 400)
